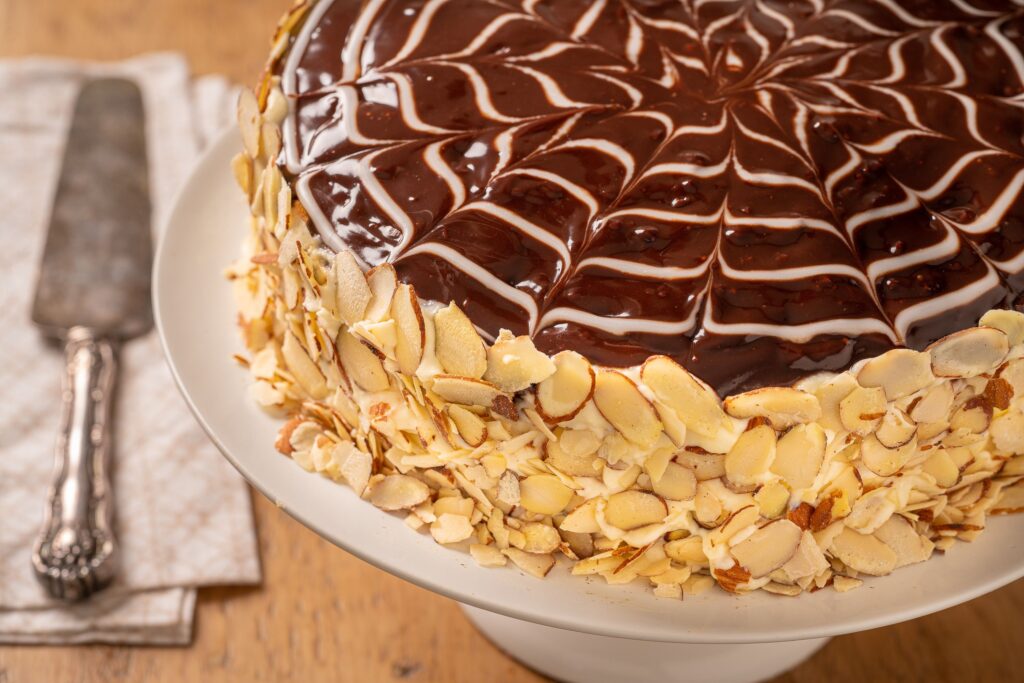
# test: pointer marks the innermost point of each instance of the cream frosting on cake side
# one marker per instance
(631, 471)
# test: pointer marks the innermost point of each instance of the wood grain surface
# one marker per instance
(322, 615)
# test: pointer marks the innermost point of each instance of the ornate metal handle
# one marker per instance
(75, 551)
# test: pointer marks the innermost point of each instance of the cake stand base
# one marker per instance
(576, 657)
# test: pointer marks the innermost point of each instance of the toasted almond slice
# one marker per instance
(470, 426)
(934, 405)
(249, 122)
(807, 561)
(862, 410)
(696, 405)
(534, 565)
(739, 520)
(449, 528)
(844, 584)
(676, 483)
(241, 166)
(1013, 372)
(707, 509)
(474, 392)
(351, 289)
(772, 499)
(863, 553)
(581, 545)
(458, 347)
(751, 456)
(898, 373)
(1010, 323)
(514, 363)
(622, 404)
(688, 550)
(583, 465)
(453, 505)
(361, 363)
(768, 548)
(487, 555)
(582, 519)
(799, 455)
(675, 428)
(969, 353)
(973, 417)
(899, 535)
(411, 332)
(302, 367)
(882, 460)
(896, 428)
(1007, 432)
(562, 395)
(732, 578)
(829, 396)
(668, 590)
(540, 538)
(782, 406)
(383, 283)
(398, 492)
(629, 510)
(355, 465)
(544, 494)
(704, 465)
(941, 466)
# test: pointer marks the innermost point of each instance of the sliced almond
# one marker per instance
(470, 426)
(487, 555)
(241, 166)
(688, 550)
(302, 367)
(355, 465)
(398, 492)
(383, 283)
(969, 353)
(704, 465)
(675, 428)
(411, 333)
(351, 289)
(807, 561)
(768, 548)
(544, 494)
(896, 428)
(449, 528)
(751, 456)
(576, 465)
(882, 460)
(844, 584)
(898, 373)
(509, 489)
(942, 468)
(676, 483)
(707, 509)
(249, 122)
(474, 392)
(622, 404)
(1013, 373)
(863, 553)
(732, 578)
(772, 499)
(514, 363)
(582, 520)
(799, 455)
(862, 410)
(1007, 431)
(696, 406)
(973, 417)
(534, 565)
(782, 406)
(540, 538)
(739, 520)
(829, 395)
(899, 535)
(458, 347)
(1010, 323)
(362, 364)
(562, 395)
(633, 509)
(934, 405)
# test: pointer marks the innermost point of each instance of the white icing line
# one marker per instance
(947, 302)
(995, 212)
(432, 157)
(587, 19)
(407, 106)
(618, 326)
(943, 249)
(524, 226)
(419, 29)
(644, 270)
(577, 191)
(909, 203)
(351, 53)
(481, 275)
(849, 327)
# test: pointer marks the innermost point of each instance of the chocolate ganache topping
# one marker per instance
(759, 189)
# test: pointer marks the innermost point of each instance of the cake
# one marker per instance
(684, 292)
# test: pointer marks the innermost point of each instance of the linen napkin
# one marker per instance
(183, 515)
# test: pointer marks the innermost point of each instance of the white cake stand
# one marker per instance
(563, 626)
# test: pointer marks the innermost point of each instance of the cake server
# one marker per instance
(92, 294)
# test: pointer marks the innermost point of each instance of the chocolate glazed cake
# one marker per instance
(682, 290)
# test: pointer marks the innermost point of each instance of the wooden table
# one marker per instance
(321, 614)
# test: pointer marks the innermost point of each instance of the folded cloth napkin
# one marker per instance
(184, 516)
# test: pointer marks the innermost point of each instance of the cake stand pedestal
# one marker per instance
(577, 657)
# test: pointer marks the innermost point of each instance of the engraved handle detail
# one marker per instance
(74, 553)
